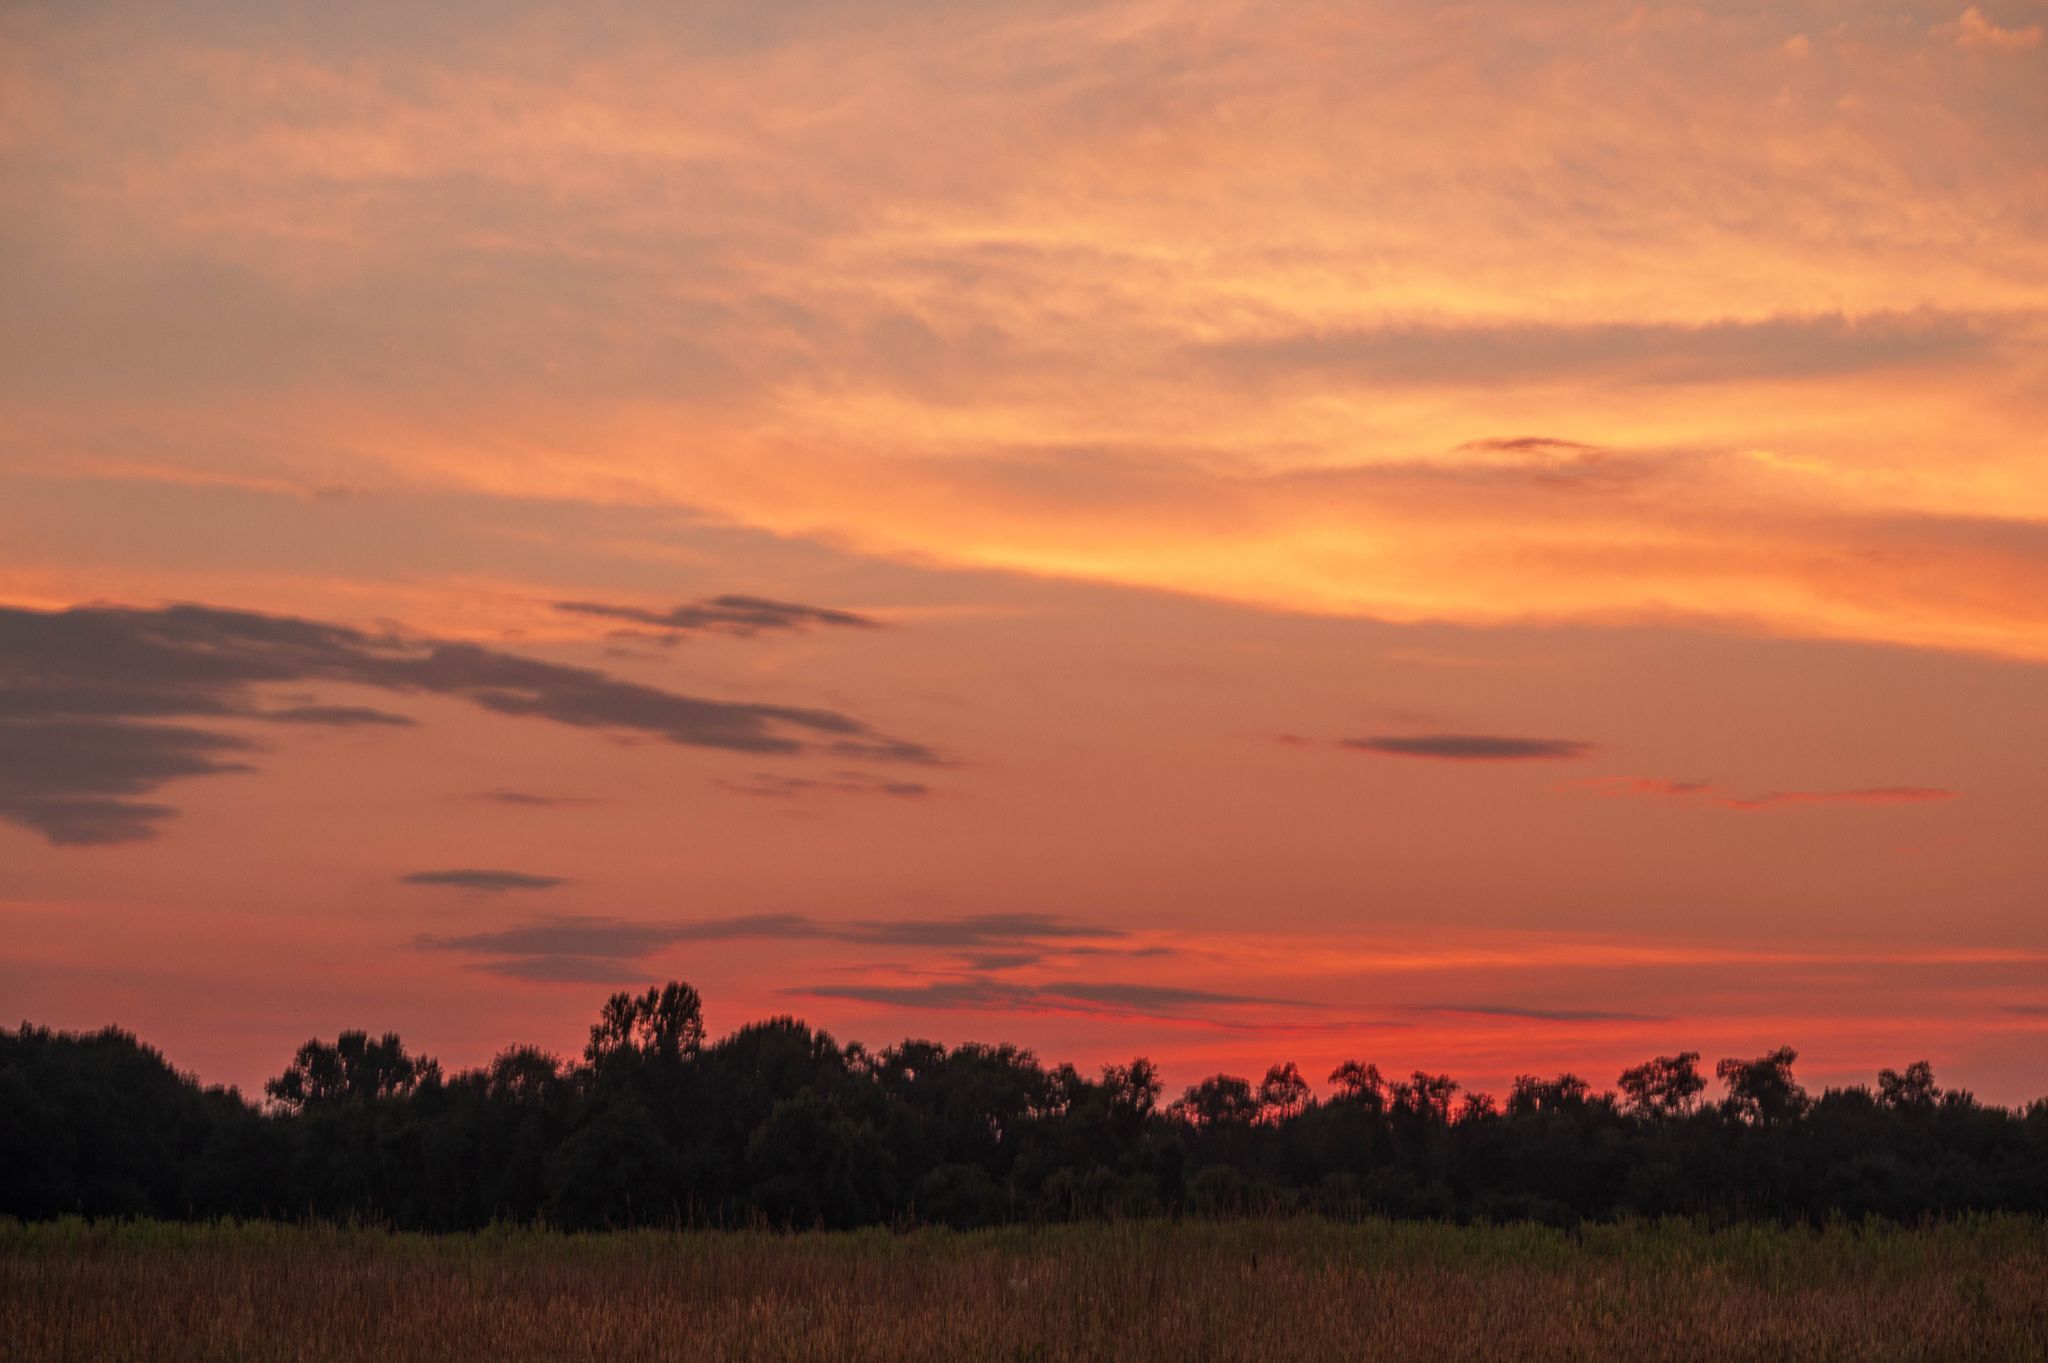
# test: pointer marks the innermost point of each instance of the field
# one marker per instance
(1268, 1291)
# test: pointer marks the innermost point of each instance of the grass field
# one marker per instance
(1149, 1291)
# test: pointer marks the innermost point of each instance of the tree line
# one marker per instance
(779, 1125)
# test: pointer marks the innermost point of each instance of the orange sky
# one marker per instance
(1489, 536)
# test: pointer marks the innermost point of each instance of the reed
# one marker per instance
(1258, 1290)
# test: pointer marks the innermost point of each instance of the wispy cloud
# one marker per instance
(487, 880)
(1870, 795)
(1711, 793)
(1478, 355)
(525, 799)
(1469, 747)
(1532, 1014)
(1094, 998)
(337, 716)
(769, 786)
(744, 616)
(588, 938)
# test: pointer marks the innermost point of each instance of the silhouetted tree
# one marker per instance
(1912, 1091)
(1220, 1100)
(1668, 1086)
(1763, 1090)
(1531, 1095)
(354, 1068)
(1426, 1096)
(664, 1025)
(1283, 1093)
(1360, 1084)
(779, 1123)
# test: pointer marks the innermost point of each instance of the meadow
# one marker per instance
(1975, 1288)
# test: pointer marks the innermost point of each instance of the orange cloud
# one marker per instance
(1974, 29)
(1133, 293)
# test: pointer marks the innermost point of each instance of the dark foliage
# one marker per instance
(781, 1125)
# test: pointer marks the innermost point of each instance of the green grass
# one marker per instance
(1270, 1291)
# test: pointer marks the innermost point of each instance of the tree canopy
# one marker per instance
(779, 1124)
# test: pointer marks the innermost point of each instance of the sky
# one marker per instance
(1487, 537)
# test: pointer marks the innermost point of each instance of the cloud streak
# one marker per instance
(490, 881)
(1778, 348)
(766, 785)
(1528, 1014)
(1087, 998)
(85, 693)
(1709, 792)
(590, 938)
(1469, 747)
(744, 616)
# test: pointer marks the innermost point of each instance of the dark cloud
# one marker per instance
(1651, 786)
(83, 691)
(337, 716)
(622, 940)
(631, 940)
(1469, 747)
(573, 936)
(566, 970)
(1002, 960)
(1133, 952)
(1153, 996)
(1085, 997)
(741, 615)
(528, 800)
(1508, 1010)
(493, 881)
(774, 787)
(1528, 444)
(972, 930)
(72, 779)
(941, 994)
(1771, 349)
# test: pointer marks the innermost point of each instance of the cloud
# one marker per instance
(775, 787)
(1506, 1010)
(1656, 787)
(1874, 795)
(738, 615)
(1157, 997)
(588, 938)
(1529, 444)
(1477, 354)
(566, 970)
(337, 716)
(528, 800)
(1469, 747)
(492, 881)
(1974, 29)
(1082, 997)
(85, 691)
(72, 779)
(1002, 960)
(567, 283)
(943, 994)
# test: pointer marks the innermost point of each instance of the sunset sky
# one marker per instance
(1485, 536)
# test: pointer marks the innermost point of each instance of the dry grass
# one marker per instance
(1266, 1291)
